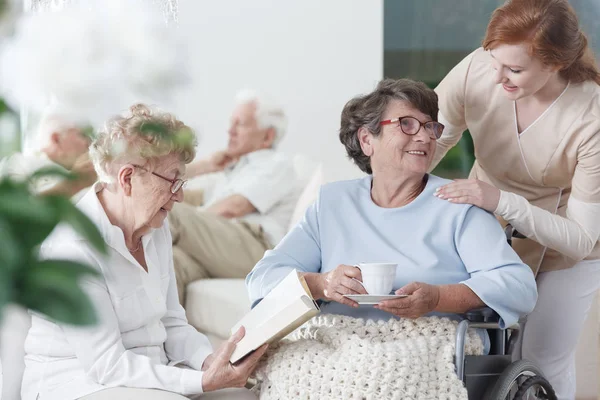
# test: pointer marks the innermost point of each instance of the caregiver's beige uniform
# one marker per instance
(549, 177)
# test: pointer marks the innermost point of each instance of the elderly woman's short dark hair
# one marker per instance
(367, 111)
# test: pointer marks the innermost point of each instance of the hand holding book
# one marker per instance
(219, 373)
(284, 309)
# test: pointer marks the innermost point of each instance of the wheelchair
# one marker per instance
(495, 376)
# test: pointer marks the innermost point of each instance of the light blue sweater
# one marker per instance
(432, 240)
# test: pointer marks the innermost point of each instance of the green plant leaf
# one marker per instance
(9, 185)
(25, 207)
(66, 268)
(88, 132)
(79, 221)
(52, 171)
(10, 248)
(156, 129)
(52, 288)
(6, 288)
(31, 218)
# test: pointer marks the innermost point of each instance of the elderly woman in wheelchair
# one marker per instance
(450, 259)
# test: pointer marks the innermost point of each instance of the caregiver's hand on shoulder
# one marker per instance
(423, 299)
(470, 191)
(219, 373)
(341, 281)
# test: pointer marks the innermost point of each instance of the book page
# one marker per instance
(283, 323)
(287, 291)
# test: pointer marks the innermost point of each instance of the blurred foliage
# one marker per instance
(46, 286)
(3, 107)
(182, 138)
(49, 287)
(88, 131)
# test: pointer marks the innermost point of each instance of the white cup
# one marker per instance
(378, 278)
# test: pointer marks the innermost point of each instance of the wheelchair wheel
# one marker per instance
(522, 380)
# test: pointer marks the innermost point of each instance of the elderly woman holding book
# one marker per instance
(142, 346)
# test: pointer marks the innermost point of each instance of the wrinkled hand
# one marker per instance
(423, 298)
(219, 160)
(219, 373)
(338, 282)
(470, 191)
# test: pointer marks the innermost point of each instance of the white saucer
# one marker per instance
(372, 298)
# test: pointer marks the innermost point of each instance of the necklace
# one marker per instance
(137, 248)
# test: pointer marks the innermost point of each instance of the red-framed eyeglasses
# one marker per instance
(411, 125)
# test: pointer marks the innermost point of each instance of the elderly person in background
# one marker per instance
(248, 207)
(142, 340)
(58, 142)
(451, 257)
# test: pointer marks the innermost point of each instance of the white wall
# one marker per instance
(311, 55)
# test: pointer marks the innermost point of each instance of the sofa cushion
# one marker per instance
(308, 196)
(214, 306)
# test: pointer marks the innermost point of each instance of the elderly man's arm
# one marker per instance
(234, 206)
(300, 249)
(85, 176)
(215, 163)
(270, 183)
(67, 188)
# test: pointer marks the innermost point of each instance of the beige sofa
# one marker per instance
(213, 306)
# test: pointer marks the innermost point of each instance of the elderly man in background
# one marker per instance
(247, 208)
(58, 142)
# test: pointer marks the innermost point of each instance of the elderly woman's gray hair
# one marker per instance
(142, 136)
(367, 111)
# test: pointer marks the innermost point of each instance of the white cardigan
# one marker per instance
(143, 330)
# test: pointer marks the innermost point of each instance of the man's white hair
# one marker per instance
(53, 121)
(268, 113)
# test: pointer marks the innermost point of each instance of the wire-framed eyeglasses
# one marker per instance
(411, 125)
(176, 183)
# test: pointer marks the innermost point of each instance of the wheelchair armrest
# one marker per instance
(483, 314)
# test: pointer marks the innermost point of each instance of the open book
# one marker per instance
(285, 308)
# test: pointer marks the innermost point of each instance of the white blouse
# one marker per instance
(142, 331)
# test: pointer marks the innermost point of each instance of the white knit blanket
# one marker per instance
(338, 357)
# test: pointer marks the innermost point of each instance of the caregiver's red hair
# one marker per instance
(551, 30)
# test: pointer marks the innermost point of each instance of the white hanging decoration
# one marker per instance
(48, 5)
(169, 8)
(94, 57)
